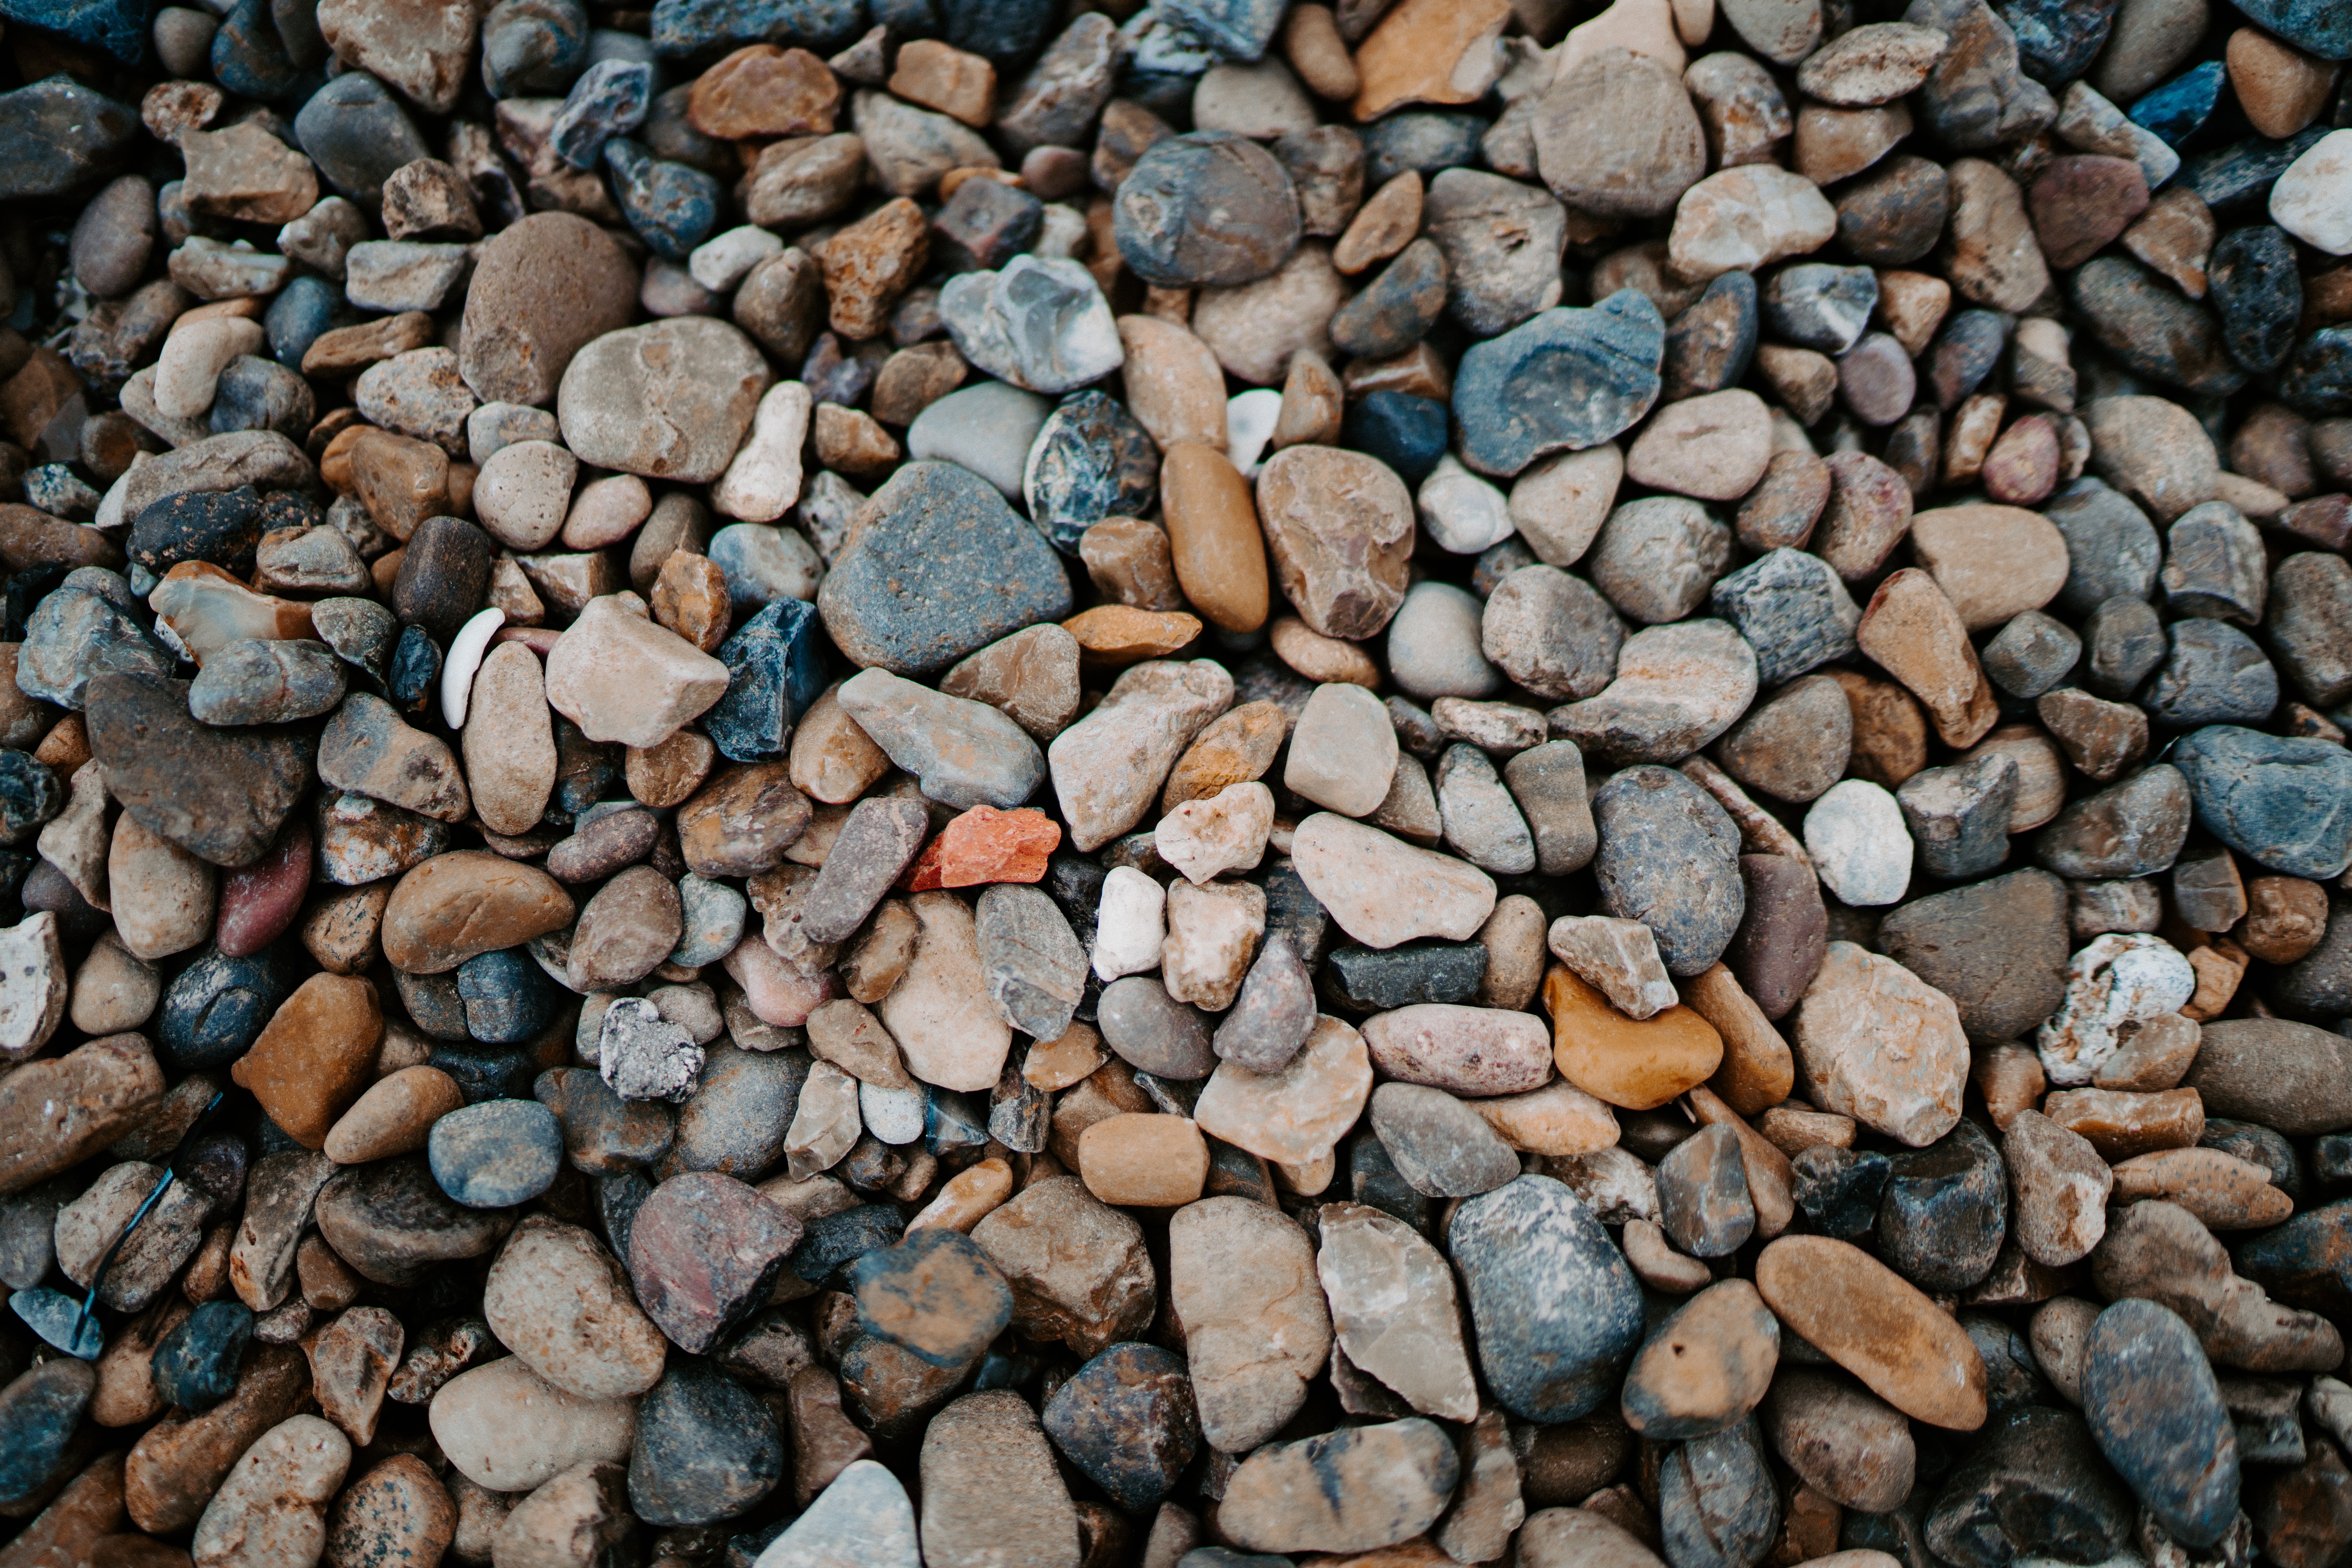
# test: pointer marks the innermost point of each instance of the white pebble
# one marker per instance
(1131, 922)
(1859, 845)
(2120, 979)
(2312, 200)
(465, 650)
(188, 371)
(764, 479)
(1463, 512)
(720, 263)
(1250, 419)
(893, 1115)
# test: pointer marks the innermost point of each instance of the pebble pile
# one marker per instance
(1203, 783)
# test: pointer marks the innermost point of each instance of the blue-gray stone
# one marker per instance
(195, 1365)
(117, 26)
(433, 1004)
(1405, 432)
(2244, 171)
(1565, 381)
(1712, 342)
(682, 27)
(2112, 549)
(1839, 1189)
(2322, 28)
(2178, 110)
(1670, 858)
(2215, 675)
(1237, 29)
(414, 670)
(266, 680)
(1703, 1199)
(2034, 1487)
(1959, 816)
(250, 59)
(2318, 380)
(835, 1241)
(2146, 323)
(498, 1154)
(30, 796)
(1964, 354)
(2030, 655)
(1945, 1211)
(39, 1413)
(1374, 1180)
(953, 1122)
(706, 1448)
(2253, 282)
(741, 1107)
(609, 100)
(1004, 31)
(1557, 1309)
(672, 208)
(1210, 208)
(217, 1007)
(2284, 802)
(1427, 140)
(1370, 980)
(941, 569)
(1819, 306)
(533, 48)
(712, 914)
(1091, 461)
(508, 999)
(60, 1319)
(1719, 1505)
(1126, 1422)
(776, 664)
(486, 1075)
(361, 632)
(358, 134)
(2058, 39)
(1793, 611)
(75, 635)
(257, 394)
(2155, 1408)
(2132, 828)
(305, 310)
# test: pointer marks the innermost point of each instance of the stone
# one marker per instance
(1243, 1278)
(1078, 1268)
(469, 1418)
(1873, 1043)
(2180, 1457)
(274, 1498)
(1579, 1311)
(1564, 381)
(1747, 217)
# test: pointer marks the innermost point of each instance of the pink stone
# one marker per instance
(779, 994)
(260, 901)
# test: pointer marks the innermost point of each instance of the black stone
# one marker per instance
(1945, 1211)
(2216, 675)
(57, 134)
(2035, 1485)
(835, 1240)
(445, 573)
(1092, 460)
(222, 527)
(357, 135)
(1839, 1189)
(2252, 280)
(2151, 330)
(217, 1007)
(1126, 1421)
(1370, 980)
(195, 1365)
(1406, 432)
(706, 1448)
(414, 670)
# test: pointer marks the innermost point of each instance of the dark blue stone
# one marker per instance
(1090, 462)
(257, 394)
(2252, 280)
(832, 376)
(2307, 1262)
(357, 133)
(509, 997)
(2058, 39)
(533, 48)
(672, 208)
(1792, 610)
(2322, 28)
(1567, 380)
(248, 57)
(483, 1075)
(307, 307)
(1670, 858)
(119, 26)
(2285, 803)
(1820, 306)
(216, 1007)
(498, 1154)
(907, 18)
(415, 667)
(2215, 675)
(935, 1294)
(24, 591)
(2035, 1485)
(1945, 1210)
(954, 1120)
(706, 1448)
(1557, 1309)
(1406, 432)
(222, 527)
(433, 1004)
(2318, 379)
(2178, 110)
(682, 27)
(1839, 1189)
(2244, 171)
(29, 794)
(39, 1413)
(1126, 1420)
(776, 664)
(1369, 980)
(1004, 31)
(1422, 140)
(609, 100)
(2155, 1408)
(57, 134)
(838, 1240)
(196, 1366)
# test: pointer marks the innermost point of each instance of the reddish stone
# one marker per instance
(258, 901)
(764, 91)
(706, 1249)
(985, 845)
(2080, 202)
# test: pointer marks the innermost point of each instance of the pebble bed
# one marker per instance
(1209, 783)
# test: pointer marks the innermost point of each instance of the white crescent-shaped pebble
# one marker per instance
(466, 651)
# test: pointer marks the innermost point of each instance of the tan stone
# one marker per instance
(1212, 536)
(1144, 1161)
(394, 1115)
(466, 902)
(1878, 1326)
(1429, 51)
(1911, 630)
(1296, 1114)
(1876, 1043)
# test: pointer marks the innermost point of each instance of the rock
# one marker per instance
(2241, 780)
(1875, 1043)
(705, 1250)
(1685, 841)
(1870, 1322)
(1552, 1339)
(274, 1499)
(1591, 374)
(1162, 204)
(1076, 1267)
(1256, 1328)
(2178, 1454)
(473, 1418)
(1677, 688)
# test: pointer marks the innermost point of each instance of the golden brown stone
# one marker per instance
(1636, 1064)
